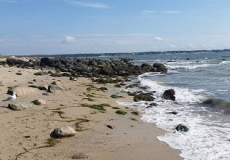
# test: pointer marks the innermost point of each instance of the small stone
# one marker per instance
(19, 73)
(80, 156)
(109, 126)
(63, 132)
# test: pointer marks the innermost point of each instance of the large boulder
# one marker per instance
(11, 61)
(160, 67)
(50, 62)
(169, 94)
(63, 132)
(107, 70)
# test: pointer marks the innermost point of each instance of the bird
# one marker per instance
(12, 97)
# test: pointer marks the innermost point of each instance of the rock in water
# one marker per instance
(182, 128)
(143, 97)
(160, 67)
(63, 132)
(169, 94)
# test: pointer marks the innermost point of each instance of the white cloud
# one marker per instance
(159, 39)
(171, 12)
(172, 46)
(88, 4)
(68, 39)
(147, 12)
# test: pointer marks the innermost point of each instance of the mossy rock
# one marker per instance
(103, 88)
(115, 96)
(115, 108)
(143, 97)
(135, 113)
(90, 95)
(120, 111)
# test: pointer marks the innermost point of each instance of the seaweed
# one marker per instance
(122, 112)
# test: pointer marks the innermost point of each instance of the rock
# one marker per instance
(169, 94)
(173, 112)
(18, 73)
(107, 71)
(56, 75)
(39, 102)
(63, 132)
(151, 105)
(109, 126)
(50, 61)
(66, 74)
(143, 97)
(11, 61)
(72, 78)
(146, 67)
(54, 88)
(182, 128)
(160, 67)
(40, 73)
(56, 83)
(18, 106)
(80, 156)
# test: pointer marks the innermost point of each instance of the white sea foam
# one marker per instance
(187, 66)
(183, 95)
(225, 63)
(208, 136)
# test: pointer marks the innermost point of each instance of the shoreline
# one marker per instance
(27, 130)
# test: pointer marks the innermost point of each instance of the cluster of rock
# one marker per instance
(87, 67)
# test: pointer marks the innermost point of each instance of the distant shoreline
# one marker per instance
(124, 53)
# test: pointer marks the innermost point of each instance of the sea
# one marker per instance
(196, 78)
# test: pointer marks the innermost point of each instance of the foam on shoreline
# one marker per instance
(207, 137)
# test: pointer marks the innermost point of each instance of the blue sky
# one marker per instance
(95, 26)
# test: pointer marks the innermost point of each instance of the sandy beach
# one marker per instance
(100, 135)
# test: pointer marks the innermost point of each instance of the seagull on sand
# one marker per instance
(12, 97)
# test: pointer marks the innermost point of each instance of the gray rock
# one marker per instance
(41, 73)
(160, 67)
(54, 88)
(182, 128)
(18, 106)
(63, 132)
(169, 94)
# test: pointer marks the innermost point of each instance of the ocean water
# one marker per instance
(195, 77)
